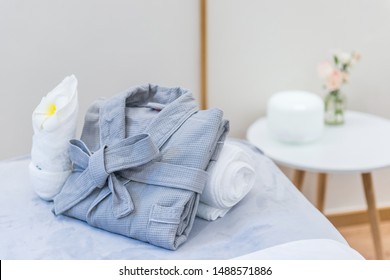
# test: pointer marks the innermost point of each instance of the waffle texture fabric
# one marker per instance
(141, 164)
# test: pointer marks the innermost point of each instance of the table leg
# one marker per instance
(373, 213)
(299, 175)
(321, 188)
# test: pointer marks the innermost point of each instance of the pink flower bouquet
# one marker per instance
(334, 74)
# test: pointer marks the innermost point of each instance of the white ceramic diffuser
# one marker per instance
(295, 116)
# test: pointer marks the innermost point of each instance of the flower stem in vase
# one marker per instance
(334, 108)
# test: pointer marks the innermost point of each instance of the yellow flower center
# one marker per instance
(51, 110)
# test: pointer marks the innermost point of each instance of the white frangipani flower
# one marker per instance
(57, 106)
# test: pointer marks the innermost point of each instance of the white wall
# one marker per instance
(109, 45)
(257, 48)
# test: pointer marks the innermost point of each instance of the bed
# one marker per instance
(274, 221)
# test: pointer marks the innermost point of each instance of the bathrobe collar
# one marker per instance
(174, 106)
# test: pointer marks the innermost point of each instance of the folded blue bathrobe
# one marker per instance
(141, 163)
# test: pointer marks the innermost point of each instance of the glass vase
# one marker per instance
(334, 108)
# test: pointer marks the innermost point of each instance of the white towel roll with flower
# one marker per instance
(54, 123)
(230, 179)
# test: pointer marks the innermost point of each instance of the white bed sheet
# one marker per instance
(273, 213)
(308, 249)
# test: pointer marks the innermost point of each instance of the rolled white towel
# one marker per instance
(231, 177)
(54, 123)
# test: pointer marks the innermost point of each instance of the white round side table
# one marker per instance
(360, 145)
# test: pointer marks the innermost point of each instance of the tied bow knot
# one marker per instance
(99, 169)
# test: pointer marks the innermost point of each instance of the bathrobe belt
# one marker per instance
(134, 159)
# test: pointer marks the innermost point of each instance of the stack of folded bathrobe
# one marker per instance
(231, 177)
(140, 165)
(147, 163)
